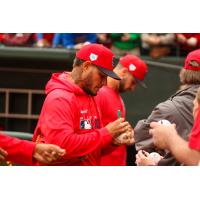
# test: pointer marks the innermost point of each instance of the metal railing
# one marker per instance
(29, 114)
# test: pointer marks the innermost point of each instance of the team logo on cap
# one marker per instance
(132, 67)
(194, 63)
(93, 57)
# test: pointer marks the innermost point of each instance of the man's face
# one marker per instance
(127, 83)
(195, 108)
(94, 79)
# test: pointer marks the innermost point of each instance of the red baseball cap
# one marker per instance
(192, 61)
(100, 56)
(136, 67)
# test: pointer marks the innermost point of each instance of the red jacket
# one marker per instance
(194, 140)
(19, 151)
(70, 119)
(109, 103)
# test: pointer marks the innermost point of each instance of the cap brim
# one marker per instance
(109, 73)
(140, 82)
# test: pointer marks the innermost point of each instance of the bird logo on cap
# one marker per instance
(132, 67)
(93, 57)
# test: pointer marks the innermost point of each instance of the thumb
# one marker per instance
(174, 125)
(57, 149)
(121, 119)
(154, 124)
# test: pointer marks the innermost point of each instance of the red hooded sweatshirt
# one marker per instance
(109, 103)
(71, 119)
(19, 151)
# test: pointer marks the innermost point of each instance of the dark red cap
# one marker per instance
(100, 56)
(192, 61)
(136, 67)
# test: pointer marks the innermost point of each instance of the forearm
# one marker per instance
(19, 151)
(181, 151)
(76, 144)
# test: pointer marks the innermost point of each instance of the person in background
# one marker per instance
(17, 39)
(73, 40)
(125, 43)
(3, 154)
(157, 45)
(166, 137)
(177, 109)
(132, 70)
(44, 39)
(187, 42)
(105, 39)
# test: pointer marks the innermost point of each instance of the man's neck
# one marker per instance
(112, 83)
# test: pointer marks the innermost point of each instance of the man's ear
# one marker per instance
(86, 65)
(122, 72)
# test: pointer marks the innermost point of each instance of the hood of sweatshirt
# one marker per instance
(60, 81)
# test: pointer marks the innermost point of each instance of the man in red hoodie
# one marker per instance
(132, 70)
(26, 152)
(70, 116)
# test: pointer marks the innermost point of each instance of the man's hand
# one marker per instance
(47, 153)
(142, 159)
(118, 127)
(162, 134)
(126, 138)
(3, 154)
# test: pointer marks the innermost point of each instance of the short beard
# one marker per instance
(121, 86)
(87, 85)
(88, 91)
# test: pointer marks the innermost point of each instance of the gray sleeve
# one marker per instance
(142, 138)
